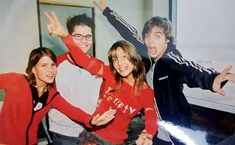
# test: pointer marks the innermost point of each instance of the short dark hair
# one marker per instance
(158, 22)
(82, 19)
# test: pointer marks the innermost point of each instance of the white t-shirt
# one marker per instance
(78, 87)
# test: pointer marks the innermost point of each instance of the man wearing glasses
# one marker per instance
(73, 82)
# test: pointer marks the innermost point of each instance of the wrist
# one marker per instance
(91, 122)
(63, 34)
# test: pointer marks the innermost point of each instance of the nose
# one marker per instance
(51, 68)
(84, 39)
(150, 39)
(119, 61)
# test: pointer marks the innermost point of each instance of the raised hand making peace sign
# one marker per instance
(54, 26)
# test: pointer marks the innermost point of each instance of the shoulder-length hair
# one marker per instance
(138, 70)
(34, 57)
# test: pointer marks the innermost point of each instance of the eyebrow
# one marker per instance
(81, 34)
(158, 32)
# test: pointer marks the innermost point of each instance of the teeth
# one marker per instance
(84, 46)
(122, 68)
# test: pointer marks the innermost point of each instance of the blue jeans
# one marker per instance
(59, 139)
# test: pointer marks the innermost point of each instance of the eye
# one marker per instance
(157, 35)
(146, 36)
(88, 37)
(53, 64)
(114, 59)
(122, 56)
(78, 36)
(43, 65)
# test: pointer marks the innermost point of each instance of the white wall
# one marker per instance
(18, 33)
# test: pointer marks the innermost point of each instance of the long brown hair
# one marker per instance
(138, 70)
(34, 57)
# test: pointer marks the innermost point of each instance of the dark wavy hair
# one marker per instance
(138, 71)
(34, 57)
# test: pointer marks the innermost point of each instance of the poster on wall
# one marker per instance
(63, 12)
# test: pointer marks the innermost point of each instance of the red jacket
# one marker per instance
(18, 124)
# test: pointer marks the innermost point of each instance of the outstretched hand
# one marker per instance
(223, 76)
(144, 139)
(54, 26)
(101, 4)
(104, 118)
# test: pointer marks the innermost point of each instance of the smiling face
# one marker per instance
(82, 36)
(156, 42)
(122, 64)
(44, 71)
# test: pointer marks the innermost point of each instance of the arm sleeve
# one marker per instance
(7, 80)
(193, 74)
(150, 112)
(71, 111)
(129, 33)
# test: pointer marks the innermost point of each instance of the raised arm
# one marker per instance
(127, 31)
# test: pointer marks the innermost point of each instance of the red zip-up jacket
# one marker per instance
(18, 123)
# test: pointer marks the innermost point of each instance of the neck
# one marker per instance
(130, 80)
(41, 89)
(156, 59)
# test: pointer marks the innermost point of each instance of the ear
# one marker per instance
(33, 70)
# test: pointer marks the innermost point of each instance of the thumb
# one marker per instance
(221, 92)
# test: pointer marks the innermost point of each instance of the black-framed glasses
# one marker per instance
(80, 37)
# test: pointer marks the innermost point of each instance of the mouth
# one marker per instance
(152, 50)
(83, 46)
(122, 69)
(50, 76)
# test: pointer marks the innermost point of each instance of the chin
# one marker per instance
(50, 81)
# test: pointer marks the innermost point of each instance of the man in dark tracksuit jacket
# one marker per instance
(167, 74)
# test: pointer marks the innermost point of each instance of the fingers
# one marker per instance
(52, 18)
(96, 4)
(226, 70)
(144, 139)
(104, 118)
(110, 112)
(221, 92)
(55, 17)
(231, 77)
(49, 28)
(49, 18)
(101, 4)
(107, 116)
